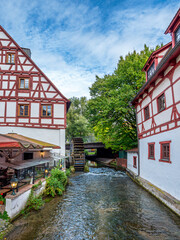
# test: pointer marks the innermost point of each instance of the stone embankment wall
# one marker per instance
(16, 203)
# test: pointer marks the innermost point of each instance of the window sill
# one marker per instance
(27, 89)
(46, 116)
(165, 161)
(134, 166)
(23, 116)
(11, 63)
(151, 158)
(146, 119)
(161, 110)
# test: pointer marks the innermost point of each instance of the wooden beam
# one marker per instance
(161, 75)
(33, 174)
(152, 84)
(146, 90)
(172, 62)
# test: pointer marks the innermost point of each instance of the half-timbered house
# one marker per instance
(30, 104)
(158, 115)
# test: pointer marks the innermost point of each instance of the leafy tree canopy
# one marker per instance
(109, 111)
(77, 124)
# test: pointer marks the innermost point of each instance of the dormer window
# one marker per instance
(10, 58)
(151, 70)
(177, 35)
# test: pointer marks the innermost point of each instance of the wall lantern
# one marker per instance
(46, 172)
(14, 183)
(42, 153)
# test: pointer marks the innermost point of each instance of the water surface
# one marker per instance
(102, 204)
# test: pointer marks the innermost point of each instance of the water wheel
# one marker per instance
(78, 155)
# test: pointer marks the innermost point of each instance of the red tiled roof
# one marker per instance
(133, 150)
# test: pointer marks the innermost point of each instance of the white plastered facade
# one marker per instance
(130, 166)
(164, 175)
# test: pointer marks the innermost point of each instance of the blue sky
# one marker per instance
(72, 41)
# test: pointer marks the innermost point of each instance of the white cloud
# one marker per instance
(71, 43)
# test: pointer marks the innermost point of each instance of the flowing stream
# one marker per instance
(103, 204)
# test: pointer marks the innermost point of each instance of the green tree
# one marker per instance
(109, 110)
(77, 124)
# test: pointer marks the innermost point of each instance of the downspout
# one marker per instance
(138, 146)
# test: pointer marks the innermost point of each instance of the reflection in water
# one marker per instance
(103, 204)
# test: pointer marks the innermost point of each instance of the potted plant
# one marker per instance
(2, 200)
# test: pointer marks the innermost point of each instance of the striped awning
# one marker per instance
(14, 140)
(5, 142)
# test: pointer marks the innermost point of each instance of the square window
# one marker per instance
(10, 58)
(161, 103)
(23, 110)
(49, 110)
(24, 83)
(151, 151)
(46, 110)
(146, 112)
(165, 151)
(134, 161)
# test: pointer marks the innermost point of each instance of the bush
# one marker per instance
(4, 216)
(53, 187)
(35, 186)
(86, 168)
(34, 202)
(72, 169)
(59, 175)
(59, 164)
(56, 183)
(68, 172)
(2, 199)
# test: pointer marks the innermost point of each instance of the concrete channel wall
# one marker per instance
(16, 203)
(161, 195)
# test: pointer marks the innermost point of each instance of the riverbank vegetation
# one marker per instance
(86, 168)
(72, 169)
(34, 202)
(4, 216)
(56, 183)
